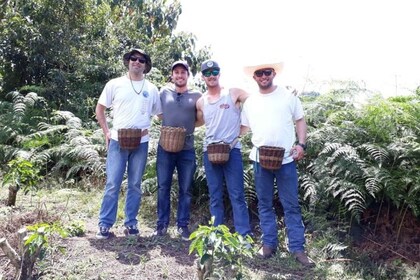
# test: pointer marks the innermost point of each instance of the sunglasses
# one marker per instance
(141, 60)
(260, 73)
(214, 72)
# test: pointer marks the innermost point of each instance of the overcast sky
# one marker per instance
(364, 40)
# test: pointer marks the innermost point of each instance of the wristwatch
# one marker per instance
(302, 145)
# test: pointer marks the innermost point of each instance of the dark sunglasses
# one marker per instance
(260, 73)
(214, 72)
(141, 60)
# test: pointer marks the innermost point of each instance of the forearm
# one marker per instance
(244, 130)
(301, 130)
(101, 118)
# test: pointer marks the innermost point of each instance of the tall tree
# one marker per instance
(69, 49)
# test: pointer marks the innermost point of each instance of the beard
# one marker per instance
(265, 86)
(180, 84)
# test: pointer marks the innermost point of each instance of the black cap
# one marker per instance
(209, 64)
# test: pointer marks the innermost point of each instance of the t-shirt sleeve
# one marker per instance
(106, 96)
(157, 104)
(244, 118)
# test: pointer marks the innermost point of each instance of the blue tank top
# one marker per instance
(222, 120)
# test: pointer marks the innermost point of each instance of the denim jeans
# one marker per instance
(232, 173)
(185, 164)
(287, 184)
(117, 162)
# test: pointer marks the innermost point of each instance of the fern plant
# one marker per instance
(359, 156)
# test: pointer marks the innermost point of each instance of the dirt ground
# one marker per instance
(150, 257)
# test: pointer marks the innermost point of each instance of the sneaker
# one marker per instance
(266, 252)
(303, 259)
(160, 231)
(131, 231)
(103, 233)
(184, 232)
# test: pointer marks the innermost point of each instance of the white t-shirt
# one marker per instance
(130, 110)
(271, 119)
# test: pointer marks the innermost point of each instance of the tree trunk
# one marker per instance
(11, 201)
(24, 263)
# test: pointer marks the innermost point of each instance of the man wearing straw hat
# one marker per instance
(219, 109)
(133, 100)
(275, 116)
(179, 111)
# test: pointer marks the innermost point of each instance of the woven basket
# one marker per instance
(218, 153)
(129, 138)
(172, 139)
(270, 157)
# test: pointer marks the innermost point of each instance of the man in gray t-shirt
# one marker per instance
(179, 110)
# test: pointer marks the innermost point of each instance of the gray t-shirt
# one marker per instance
(179, 110)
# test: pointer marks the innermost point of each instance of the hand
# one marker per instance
(297, 152)
(107, 139)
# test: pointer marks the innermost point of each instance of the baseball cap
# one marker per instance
(209, 64)
(181, 62)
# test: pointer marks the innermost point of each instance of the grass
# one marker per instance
(149, 257)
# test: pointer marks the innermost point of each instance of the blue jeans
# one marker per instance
(184, 162)
(232, 173)
(117, 162)
(287, 184)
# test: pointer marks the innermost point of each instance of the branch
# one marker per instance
(382, 246)
(10, 253)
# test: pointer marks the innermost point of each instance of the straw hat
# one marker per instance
(278, 67)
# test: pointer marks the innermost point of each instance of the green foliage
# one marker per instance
(57, 142)
(38, 236)
(76, 228)
(359, 156)
(217, 244)
(22, 174)
(70, 49)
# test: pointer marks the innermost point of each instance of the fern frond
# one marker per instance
(309, 186)
(349, 193)
(377, 153)
(46, 130)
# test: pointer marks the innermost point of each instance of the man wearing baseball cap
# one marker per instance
(275, 116)
(178, 110)
(219, 110)
(134, 100)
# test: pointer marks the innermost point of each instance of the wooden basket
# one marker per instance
(172, 139)
(129, 138)
(271, 157)
(218, 153)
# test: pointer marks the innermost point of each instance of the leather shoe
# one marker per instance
(266, 252)
(303, 259)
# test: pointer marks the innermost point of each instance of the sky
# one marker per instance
(375, 42)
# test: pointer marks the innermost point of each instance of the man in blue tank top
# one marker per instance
(219, 110)
(179, 110)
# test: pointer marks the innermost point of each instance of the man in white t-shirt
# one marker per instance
(275, 116)
(133, 100)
